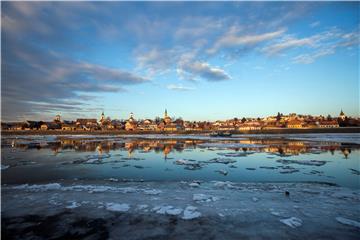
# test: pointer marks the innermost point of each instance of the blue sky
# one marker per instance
(199, 60)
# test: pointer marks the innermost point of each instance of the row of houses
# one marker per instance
(166, 123)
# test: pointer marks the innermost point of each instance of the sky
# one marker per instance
(199, 60)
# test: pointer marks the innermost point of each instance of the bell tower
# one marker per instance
(102, 118)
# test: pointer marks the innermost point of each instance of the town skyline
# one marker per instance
(203, 60)
(174, 115)
(166, 123)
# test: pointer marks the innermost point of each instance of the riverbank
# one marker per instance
(123, 132)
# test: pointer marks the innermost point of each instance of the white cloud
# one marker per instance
(314, 24)
(204, 70)
(231, 39)
(179, 87)
(288, 42)
(310, 58)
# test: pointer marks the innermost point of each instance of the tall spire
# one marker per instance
(165, 115)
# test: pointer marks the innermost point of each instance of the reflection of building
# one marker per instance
(167, 150)
(165, 147)
(346, 152)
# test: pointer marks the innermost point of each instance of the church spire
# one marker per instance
(165, 114)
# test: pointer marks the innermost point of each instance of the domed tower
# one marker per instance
(131, 123)
(131, 118)
(167, 119)
(57, 118)
(102, 117)
(342, 115)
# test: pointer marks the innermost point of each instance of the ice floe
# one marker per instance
(152, 191)
(167, 209)
(200, 197)
(222, 171)
(117, 207)
(303, 162)
(235, 154)
(142, 206)
(221, 160)
(189, 165)
(3, 167)
(288, 170)
(73, 205)
(349, 222)
(190, 213)
(39, 187)
(194, 184)
(292, 222)
(221, 184)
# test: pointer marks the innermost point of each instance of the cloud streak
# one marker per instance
(179, 87)
(232, 39)
(205, 71)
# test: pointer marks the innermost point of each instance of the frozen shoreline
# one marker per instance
(231, 210)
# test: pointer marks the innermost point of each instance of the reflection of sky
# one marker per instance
(48, 167)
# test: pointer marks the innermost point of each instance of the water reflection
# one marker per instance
(281, 147)
(35, 159)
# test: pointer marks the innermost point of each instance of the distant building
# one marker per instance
(342, 115)
(17, 126)
(249, 126)
(295, 123)
(131, 123)
(57, 118)
(50, 126)
(102, 117)
(167, 119)
(86, 124)
(328, 124)
(147, 125)
(44, 127)
(68, 127)
(171, 127)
